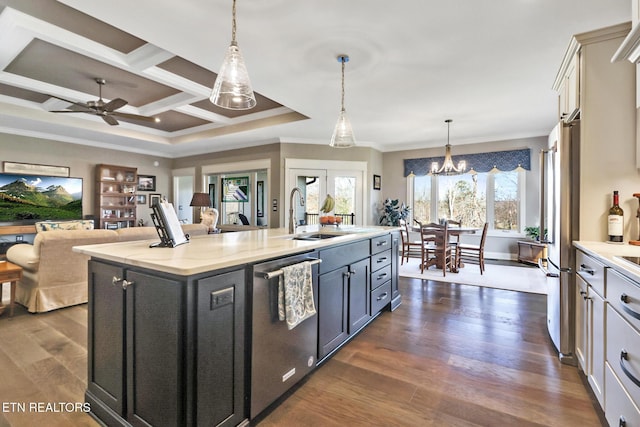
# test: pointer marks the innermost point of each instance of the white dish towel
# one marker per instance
(295, 294)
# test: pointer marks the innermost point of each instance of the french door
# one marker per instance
(344, 186)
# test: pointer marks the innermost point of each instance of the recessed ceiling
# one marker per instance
(488, 66)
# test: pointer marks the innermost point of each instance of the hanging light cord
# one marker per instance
(233, 24)
(342, 60)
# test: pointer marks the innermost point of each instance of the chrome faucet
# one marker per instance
(292, 225)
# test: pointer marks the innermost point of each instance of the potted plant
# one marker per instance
(534, 233)
(393, 212)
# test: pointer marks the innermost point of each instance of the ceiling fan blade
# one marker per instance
(107, 118)
(114, 104)
(71, 111)
(135, 117)
(77, 104)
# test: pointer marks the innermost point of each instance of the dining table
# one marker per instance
(452, 231)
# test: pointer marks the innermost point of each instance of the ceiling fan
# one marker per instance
(106, 110)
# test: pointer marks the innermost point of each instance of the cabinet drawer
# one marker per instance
(624, 296)
(380, 260)
(619, 408)
(379, 244)
(622, 339)
(380, 297)
(380, 276)
(592, 272)
(340, 256)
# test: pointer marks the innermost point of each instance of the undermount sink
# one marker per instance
(316, 236)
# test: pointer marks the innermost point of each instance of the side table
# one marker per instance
(530, 251)
(10, 273)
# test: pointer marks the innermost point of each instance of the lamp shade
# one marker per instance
(232, 89)
(343, 133)
(200, 200)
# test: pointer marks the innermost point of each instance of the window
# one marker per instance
(471, 198)
(492, 191)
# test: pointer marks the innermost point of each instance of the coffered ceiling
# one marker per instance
(489, 66)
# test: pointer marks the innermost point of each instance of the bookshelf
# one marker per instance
(115, 196)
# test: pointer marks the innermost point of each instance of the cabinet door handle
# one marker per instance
(624, 298)
(383, 259)
(622, 422)
(382, 243)
(126, 284)
(624, 356)
(381, 276)
(585, 268)
(347, 274)
(382, 296)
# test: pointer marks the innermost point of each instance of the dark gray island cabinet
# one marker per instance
(168, 349)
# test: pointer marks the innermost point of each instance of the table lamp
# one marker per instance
(200, 200)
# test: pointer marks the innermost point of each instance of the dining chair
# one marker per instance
(454, 238)
(435, 247)
(409, 248)
(243, 219)
(466, 252)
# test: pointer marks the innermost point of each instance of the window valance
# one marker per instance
(480, 162)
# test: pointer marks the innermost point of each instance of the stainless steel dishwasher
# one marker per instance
(279, 357)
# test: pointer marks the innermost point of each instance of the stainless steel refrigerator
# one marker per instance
(559, 204)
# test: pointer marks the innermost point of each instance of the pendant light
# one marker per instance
(448, 168)
(343, 133)
(232, 89)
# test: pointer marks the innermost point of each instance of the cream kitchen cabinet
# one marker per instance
(568, 87)
(590, 323)
(623, 350)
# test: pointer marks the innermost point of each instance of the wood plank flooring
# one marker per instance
(451, 355)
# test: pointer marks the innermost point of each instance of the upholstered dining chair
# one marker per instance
(409, 248)
(435, 247)
(473, 253)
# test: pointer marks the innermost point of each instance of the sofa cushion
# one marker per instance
(80, 224)
(136, 233)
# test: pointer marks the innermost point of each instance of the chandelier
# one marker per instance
(343, 136)
(232, 89)
(448, 168)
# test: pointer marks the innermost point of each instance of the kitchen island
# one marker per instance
(186, 335)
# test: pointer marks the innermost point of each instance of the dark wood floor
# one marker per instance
(451, 355)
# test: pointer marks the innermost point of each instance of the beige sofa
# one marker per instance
(54, 276)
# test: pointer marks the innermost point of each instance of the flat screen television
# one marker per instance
(26, 199)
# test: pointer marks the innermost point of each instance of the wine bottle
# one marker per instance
(616, 221)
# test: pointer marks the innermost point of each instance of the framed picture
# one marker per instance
(153, 197)
(146, 183)
(141, 199)
(235, 189)
(30, 169)
(377, 182)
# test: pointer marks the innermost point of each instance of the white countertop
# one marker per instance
(609, 254)
(217, 251)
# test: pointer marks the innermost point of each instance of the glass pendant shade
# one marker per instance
(343, 136)
(343, 133)
(232, 89)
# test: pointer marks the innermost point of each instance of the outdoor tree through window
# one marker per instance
(472, 198)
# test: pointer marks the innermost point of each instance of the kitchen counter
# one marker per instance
(609, 254)
(217, 251)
